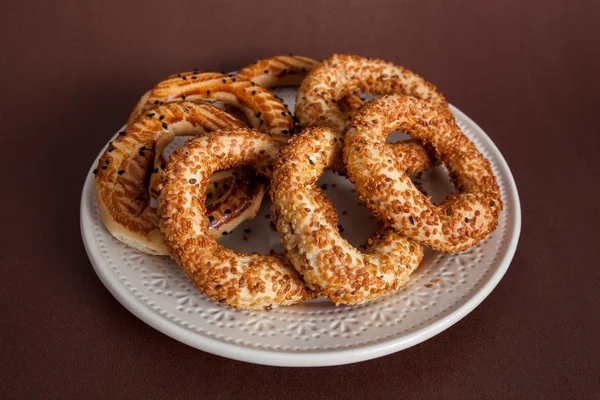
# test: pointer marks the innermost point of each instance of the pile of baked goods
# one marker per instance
(219, 177)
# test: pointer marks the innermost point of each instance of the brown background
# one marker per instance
(526, 71)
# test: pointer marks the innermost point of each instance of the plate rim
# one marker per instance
(307, 359)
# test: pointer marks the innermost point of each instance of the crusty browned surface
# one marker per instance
(317, 101)
(265, 112)
(290, 70)
(127, 165)
(328, 263)
(457, 223)
(248, 281)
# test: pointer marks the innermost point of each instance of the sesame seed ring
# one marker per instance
(455, 224)
(340, 75)
(242, 281)
(260, 106)
(261, 109)
(290, 70)
(327, 262)
(124, 170)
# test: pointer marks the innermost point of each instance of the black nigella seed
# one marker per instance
(238, 181)
(110, 149)
(107, 162)
(232, 79)
(234, 173)
(156, 170)
(194, 77)
(412, 221)
(163, 166)
(161, 117)
(266, 71)
(258, 114)
(225, 233)
(311, 162)
(303, 70)
(151, 115)
(492, 203)
(122, 133)
(183, 96)
(164, 125)
(104, 167)
(211, 218)
(247, 230)
(283, 113)
(141, 153)
(253, 92)
(143, 148)
(121, 172)
(228, 211)
(187, 110)
(467, 220)
(285, 131)
(95, 171)
(226, 186)
(210, 205)
(192, 181)
(224, 80)
(208, 92)
(324, 187)
(208, 196)
(184, 78)
(156, 102)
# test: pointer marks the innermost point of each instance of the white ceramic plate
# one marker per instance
(444, 289)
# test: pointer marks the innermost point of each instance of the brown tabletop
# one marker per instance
(525, 71)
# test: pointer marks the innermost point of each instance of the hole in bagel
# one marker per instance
(355, 222)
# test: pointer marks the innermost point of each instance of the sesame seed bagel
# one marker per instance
(458, 222)
(290, 70)
(242, 281)
(327, 262)
(125, 168)
(265, 112)
(340, 75)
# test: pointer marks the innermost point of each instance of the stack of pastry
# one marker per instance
(219, 177)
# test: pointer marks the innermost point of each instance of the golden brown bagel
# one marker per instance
(247, 281)
(327, 262)
(122, 192)
(455, 224)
